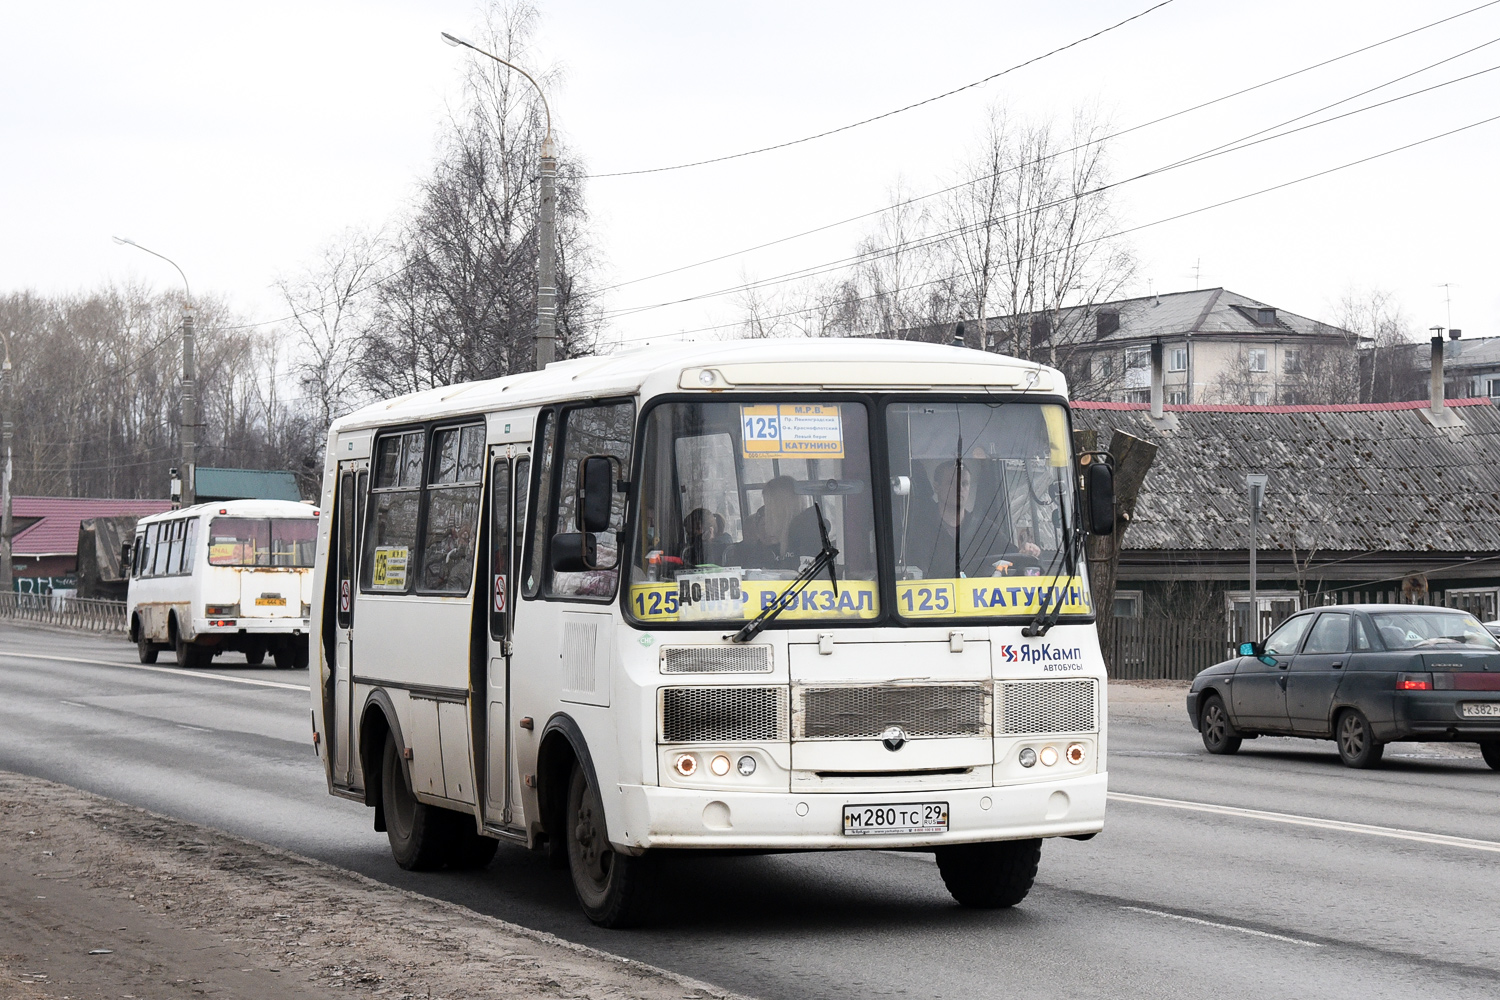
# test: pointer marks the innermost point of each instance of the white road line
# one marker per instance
(257, 682)
(1313, 821)
(1223, 927)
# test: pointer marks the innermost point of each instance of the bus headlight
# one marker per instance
(747, 765)
(1075, 753)
(686, 765)
(1049, 756)
(719, 765)
(1027, 757)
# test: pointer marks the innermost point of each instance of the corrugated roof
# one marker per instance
(55, 532)
(246, 484)
(1356, 478)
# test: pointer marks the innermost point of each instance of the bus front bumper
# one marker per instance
(702, 818)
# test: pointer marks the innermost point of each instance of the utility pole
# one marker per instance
(1256, 483)
(189, 435)
(7, 570)
(546, 271)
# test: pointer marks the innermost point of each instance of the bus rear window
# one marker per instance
(259, 541)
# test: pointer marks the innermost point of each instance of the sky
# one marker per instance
(240, 139)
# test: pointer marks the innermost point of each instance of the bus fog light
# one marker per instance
(747, 765)
(719, 765)
(1075, 753)
(1049, 756)
(686, 764)
(1027, 757)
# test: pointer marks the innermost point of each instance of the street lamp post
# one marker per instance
(189, 433)
(7, 569)
(546, 279)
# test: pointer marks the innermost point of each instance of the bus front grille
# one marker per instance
(716, 659)
(848, 711)
(1026, 708)
(720, 714)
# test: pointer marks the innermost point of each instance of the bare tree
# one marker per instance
(1388, 358)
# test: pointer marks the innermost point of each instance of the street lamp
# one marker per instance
(189, 375)
(546, 290)
(1256, 484)
(7, 572)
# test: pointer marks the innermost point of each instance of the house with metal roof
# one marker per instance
(45, 544)
(1371, 502)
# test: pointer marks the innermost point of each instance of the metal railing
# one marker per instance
(84, 613)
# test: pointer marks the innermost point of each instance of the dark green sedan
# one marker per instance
(1362, 675)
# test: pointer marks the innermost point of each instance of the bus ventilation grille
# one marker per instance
(853, 712)
(716, 659)
(1033, 707)
(720, 714)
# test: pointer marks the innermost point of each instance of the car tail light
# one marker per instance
(1413, 682)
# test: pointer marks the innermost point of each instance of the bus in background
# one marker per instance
(756, 596)
(231, 577)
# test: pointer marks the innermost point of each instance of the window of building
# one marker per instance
(1177, 359)
(1137, 357)
(1106, 321)
(1265, 316)
(1137, 395)
(1291, 360)
(1103, 366)
(1177, 397)
(1127, 604)
(1257, 358)
(1259, 397)
(1494, 390)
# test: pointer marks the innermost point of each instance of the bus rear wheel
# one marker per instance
(255, 656)
(990, 876)
(613, 888)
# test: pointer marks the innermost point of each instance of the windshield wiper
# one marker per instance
(825, 557)
(1047, 615)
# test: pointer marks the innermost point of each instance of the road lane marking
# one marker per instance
(1223, 927)
(160, 670)
(1313, 821)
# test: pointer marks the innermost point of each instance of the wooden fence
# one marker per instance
(70, 612)
(1162, 648)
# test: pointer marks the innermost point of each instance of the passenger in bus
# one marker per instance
(703, 538)
(781, 532)
(981, 537)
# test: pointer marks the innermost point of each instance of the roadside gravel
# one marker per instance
(99, 899)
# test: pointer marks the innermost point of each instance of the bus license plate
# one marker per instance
(275, 602)
(903, 817)
(1481, 709)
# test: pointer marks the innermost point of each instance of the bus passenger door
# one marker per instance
(509, 477)
(354, 481)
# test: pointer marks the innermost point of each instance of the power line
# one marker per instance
(1132, 229)
(933, 239)
(888, 114)
(1073, 149)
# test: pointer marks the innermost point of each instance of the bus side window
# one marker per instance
(500, 582)
(390, 540)
(536, 552)
(593, 430)
(345, 527)
(148, 557)
(189, 539)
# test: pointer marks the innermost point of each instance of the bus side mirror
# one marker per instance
(574, 552)
(1099, 490)
(596, 492)
(125, 548)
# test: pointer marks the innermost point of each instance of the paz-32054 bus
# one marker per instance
(752, 596)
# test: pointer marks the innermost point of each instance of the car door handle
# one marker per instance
(1338, 664)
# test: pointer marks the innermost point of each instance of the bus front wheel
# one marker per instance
(612, 888)
(192, 655)
(419, 833)
(145, 649)
(989, 876)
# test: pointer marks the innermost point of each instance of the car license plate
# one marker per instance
(275, 602)
(902, 817)
(1480, 709)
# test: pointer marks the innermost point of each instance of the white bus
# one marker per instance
(224, 577)
(764, 596)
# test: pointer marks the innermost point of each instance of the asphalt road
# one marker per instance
(1275, 873)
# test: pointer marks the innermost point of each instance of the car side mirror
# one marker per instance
(1252, 649)
(1099, 491)
(574, 552)
(596, 492)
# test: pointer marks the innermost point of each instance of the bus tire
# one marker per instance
(471, 850)
(420, 835)
(145, 649)
(301, 652)
(284, 656)
(990, 876)
(613, 888)
(190, 654)
(255, 656)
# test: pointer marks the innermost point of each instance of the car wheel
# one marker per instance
(145, 650)
(1356, 743)
(613, 888)
(1491, 751)
(989, 876)
(1219, 735)
(420, 835)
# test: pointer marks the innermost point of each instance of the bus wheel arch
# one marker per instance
(376, 721)
(561, 747)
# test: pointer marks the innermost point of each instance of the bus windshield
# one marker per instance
(982, 511)
(262, 541)
(732, 496)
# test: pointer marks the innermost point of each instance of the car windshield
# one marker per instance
(982, 510)
(262, 541)
(1415, 629)
(732, 494)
